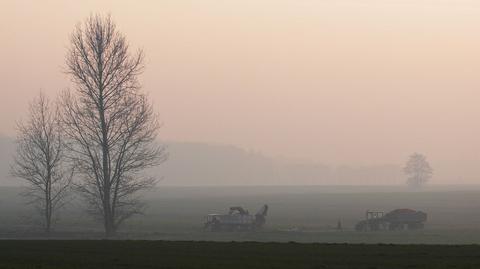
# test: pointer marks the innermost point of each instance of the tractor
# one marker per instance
(398, 219)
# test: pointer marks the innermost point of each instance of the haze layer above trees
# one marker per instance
(193, 164)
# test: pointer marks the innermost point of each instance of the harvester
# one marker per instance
(398, 219)
(237, 219)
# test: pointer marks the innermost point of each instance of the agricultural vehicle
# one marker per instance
(237, 219)
(398, 219)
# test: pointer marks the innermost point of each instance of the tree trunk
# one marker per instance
(109, 228)
(48, 214)
(107, 203)
(48, 198)
(108, 216)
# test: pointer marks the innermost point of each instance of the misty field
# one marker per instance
(297, 213)
(163, 254)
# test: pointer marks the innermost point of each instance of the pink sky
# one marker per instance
(332, 81)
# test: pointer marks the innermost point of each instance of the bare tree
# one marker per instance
(39, 160)
(110, 125)
(418, 170)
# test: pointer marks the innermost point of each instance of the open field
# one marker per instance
(163, 254)
(302, 214)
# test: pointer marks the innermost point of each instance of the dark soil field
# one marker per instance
(187, 254)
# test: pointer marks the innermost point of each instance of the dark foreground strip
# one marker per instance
(164, 254)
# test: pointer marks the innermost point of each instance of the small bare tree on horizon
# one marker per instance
(418, 170)
(110, 125)
(39, 160)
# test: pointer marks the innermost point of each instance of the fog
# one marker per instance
(317, 83)
(188, 122)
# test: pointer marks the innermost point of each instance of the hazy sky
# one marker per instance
(334, 81)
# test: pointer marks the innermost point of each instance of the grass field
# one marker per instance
(164, 254)
(297, 213)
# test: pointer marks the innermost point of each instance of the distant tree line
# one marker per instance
(96, 139)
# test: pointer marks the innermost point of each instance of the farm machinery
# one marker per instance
(237, 219)
(398, 219)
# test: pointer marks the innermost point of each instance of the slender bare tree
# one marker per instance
(110, 125)
(418, 170)
(40, 160)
